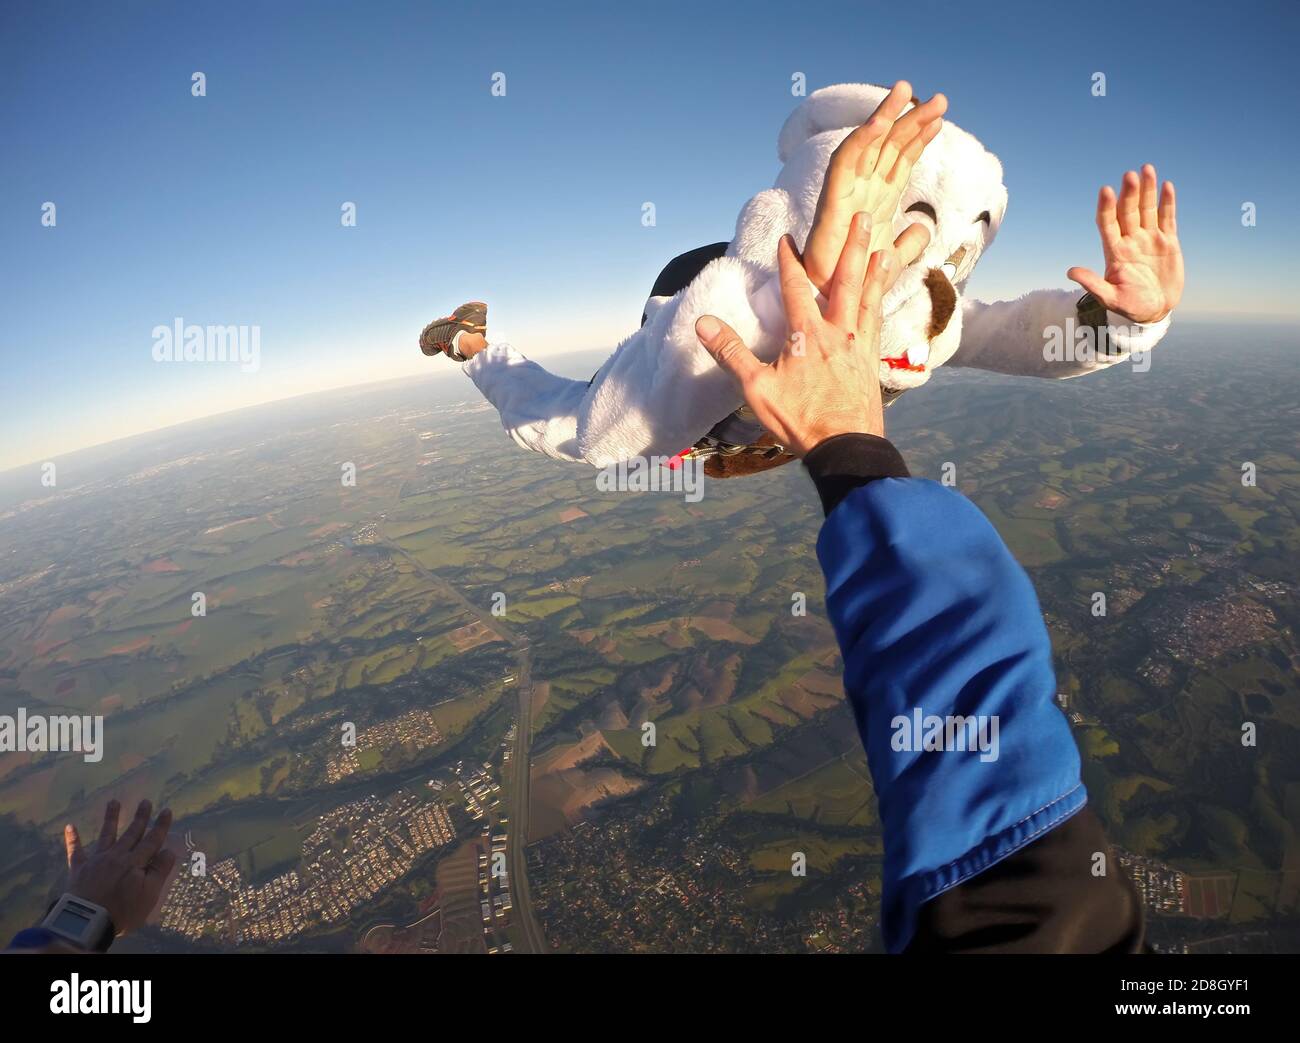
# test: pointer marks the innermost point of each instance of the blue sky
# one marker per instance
(226, 209)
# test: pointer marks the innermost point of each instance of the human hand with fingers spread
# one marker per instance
(123, 874)
(1139, 239)
(867, 174)
(826, 380)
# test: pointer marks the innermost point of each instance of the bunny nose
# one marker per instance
(943, 300)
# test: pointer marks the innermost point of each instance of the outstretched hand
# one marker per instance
(826, 380)
(867, 174)
(123, 874)
(1139, 238)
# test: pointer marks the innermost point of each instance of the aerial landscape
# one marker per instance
(438, 695)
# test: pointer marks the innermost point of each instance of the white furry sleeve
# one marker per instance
(1038, 335)
(656, 395)
(539, 410)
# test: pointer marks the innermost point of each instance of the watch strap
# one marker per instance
(1091, 312)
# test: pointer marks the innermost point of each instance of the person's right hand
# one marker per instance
(123, 874)
(867, 174)
(826, 380)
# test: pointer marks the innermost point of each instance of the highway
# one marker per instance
(519, 802)
(517, 794)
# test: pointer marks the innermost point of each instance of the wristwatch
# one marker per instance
(1093, 313)
(83, 923)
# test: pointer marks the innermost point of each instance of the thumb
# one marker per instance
(1093, 283)
(727, 349)
(72, 844)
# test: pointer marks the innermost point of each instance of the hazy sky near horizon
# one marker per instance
(225, 209)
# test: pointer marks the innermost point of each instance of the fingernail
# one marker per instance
(864, 226)
(707, 326)
(886, 262)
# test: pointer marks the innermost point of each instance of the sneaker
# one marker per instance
(437, 336)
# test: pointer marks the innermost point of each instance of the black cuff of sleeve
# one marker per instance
(841, 463)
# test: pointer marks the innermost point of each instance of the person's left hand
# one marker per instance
(1144, 263)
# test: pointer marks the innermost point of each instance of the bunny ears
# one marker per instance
(829, 108)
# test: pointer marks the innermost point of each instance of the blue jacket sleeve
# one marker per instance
(948, 668)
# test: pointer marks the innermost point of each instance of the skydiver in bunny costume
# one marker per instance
(933, 194)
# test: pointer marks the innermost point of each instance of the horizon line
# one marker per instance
(430, 377)
(1195, 316)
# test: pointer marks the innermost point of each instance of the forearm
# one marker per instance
(538, 409)
(936, 621)
(1043, 335)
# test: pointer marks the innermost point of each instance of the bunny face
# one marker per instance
(955, 190)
